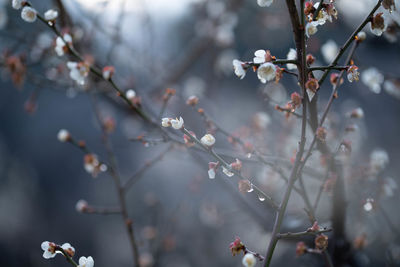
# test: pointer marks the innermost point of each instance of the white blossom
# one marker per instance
(166, 122)
(211, 173)
(51, 14)
(264, 3)
(249, 260)
(353, 74)
(86, 262)
(63, 135)
(17, 4)
(130, 94)
(81, 205)
(392, 88)
(208, 140)
(49, 249)
(78, 71)
(177, 124)
(379, 159)
(291, 55)
(266, 72)
(329, 51)
(361, 36)
(373, 79)
(379, 24)
(61, 44)
(311, 28)
(238, 68)
(29, 14)
(259, 56)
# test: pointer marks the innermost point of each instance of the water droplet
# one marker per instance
(103, 167)
(249, 155)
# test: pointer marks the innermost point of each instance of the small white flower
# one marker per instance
(166, 122)
(68, 249)
(249, 260)
(50, 14)
(379, 159)
(353, 74)
(264, 3)
(238, 67)
(108, 72)
(63, 135)
(361, 36)
(373, 79)
(49, 249)
(311, 28)
(81, 205)
(291, 55)
(176, 123)
(379, 24)
(86, 262)
(29, 14)
(211, 173)
(78, 71)
(61, 44)
(392, 88)
(130, 94)
(357, 113)
(208, 140)
(227, 171)
(266, 72)
(17, 4)
(329, 51)
(92, 165)
(259, 56)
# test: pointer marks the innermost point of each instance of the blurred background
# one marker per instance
(181, 217)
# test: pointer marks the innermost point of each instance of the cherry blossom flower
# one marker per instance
(249, 260)
(392, 87)
(352, 73)
(312, 86)
(17, 4)
(379, 159)
(266, 72)
(329, 51)
(78, 71)
(238, 68)
(92, 165)
(389, 5)
(86, 262)
(61, 44)
(177, 124)
(378, 24)
(301, 249)
(261, 56)
(357, 113)
(373, 79)
(236, 246)
(166, 122)
(50, 14)
(264, 3)
(29, 14)
(108, 72)
(321, 242)
(63, 136)
(212, 167)
(291, 55)
(208, 140)
(49, 249)
(81, 205)
(361, 36)
(311, 28)
(130, 94)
